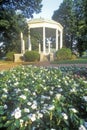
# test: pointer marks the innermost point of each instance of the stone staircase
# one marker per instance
(49, 57)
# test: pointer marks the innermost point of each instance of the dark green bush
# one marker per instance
(64, 54)
(31, 56)
(10, 56)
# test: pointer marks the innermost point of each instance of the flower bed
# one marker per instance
(34, 98)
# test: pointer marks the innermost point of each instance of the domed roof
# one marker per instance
(42, 20)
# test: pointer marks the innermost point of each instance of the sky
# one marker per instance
(49, 6)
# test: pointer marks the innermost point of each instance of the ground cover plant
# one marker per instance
(39, 98)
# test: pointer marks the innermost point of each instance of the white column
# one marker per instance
(61, 39)
(44, 48)
(29, 41)
(49, 46)
(21, 35)
(23, 47)
(39, 48)
(22, 43)
(56, 39)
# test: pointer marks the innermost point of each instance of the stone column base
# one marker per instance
(18, 57)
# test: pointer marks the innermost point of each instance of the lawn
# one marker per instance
(77, 61)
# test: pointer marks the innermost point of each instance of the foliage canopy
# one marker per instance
(27, 7)
(72, 14)
(13, 15)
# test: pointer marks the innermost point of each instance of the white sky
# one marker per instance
(49, 6)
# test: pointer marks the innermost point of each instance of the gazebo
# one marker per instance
(51, 32)
(50, 40)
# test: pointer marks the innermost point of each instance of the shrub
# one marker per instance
(73, 57)
(63, 54)
(10, 56)
(31, 56)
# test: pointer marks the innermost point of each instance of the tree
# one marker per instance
(72, 14)
(27, 7)
(81, 31)
(11, 24)
(65, 16)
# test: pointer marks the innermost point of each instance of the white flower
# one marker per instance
(73, 110)
(16, 113)
(45, 97)
(9, 81)
(85, 82)
(33, 128)
(4, 96)
(26, 89)
(45, 88)
(35, 102)
(16, 83)
(59, 80)
(33, 81)
(5, 90)
(42, 101)
(58, 96)
(82, 127)
(51, 107)
(23, 97)
(34, 93)
(44, 111)
(73, 90)
(51, 92)
(29, 103)
(26, 123)
(85, 123)
(34, 106)
(52, 88)
(43, 80)
(59, 86)
(21, 122)
(17, 90)
(60, 90)
(26, 110)
(67, 77)
(32, 117)
(65, 116)
(5, 106)
(85, 98)
(39, 115)
(66, 82)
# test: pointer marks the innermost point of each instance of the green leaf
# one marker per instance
(1, 110)
(66, 128)
(81, 122)
(8, 123)
(59, 109)
(17, 123)
(67, 123)
(1, 125)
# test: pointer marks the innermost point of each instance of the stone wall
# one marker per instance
(49, 57)
(18, 57)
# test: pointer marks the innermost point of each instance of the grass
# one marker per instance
(82, 60)
(77, 61)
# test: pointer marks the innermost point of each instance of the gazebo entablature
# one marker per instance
(51, 24)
